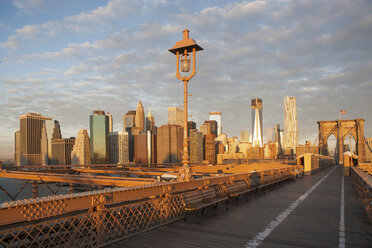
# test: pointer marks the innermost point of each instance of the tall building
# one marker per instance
(61, 151)
(150, 122)
(119, 150)
(111, 124)
(31, 125)
(123, 141)
(51, 128)
(279, 139)
(210, 148)
(80, 153)
(196, 146)
(140, 148)
(129, 120)
(151, 147)
(191, 125)
(99, 137)
(129, 123)
(56, 130)
(139, 119)
(114, 147)
(175, 116)
(244, 136)
(217, 116)
(17, 144)
(213, 126)
(44, 146)
(169, 144)
(257, 131)
(290, 123)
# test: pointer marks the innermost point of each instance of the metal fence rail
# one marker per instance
(97, 227)
(363, 183)
(95, 219)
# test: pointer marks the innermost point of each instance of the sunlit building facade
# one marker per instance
(290, 123)
(257, 131)
(99, 137)
(31, 125)
(175, 116)
(81, 151)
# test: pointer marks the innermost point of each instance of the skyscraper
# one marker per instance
(139, 119)
(129, 120)
(50, 127)
(217, 116)
(56, 130)
(213, 126)
(114, 147)
(169, 144)
(129, 123)
(31, 125)
(210, 148)
(62, 149)
(290, 123)
(196, 146)
(123, 150)
(175, 116)
(17, 144)
(110, 122)
(99, 140)
(150, 122)
(257, 131)
(44, 146)
(81, 151)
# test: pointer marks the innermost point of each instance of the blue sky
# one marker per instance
(65, 58)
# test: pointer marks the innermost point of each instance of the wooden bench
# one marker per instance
(198, 201)
(236, 189)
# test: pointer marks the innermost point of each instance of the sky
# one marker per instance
(66, 58)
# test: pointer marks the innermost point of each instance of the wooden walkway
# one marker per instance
(304, 213)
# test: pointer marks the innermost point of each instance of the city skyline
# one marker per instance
(65, 61)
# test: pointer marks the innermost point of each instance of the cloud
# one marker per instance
(318, 51)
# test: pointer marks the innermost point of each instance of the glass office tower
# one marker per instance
(99, 137)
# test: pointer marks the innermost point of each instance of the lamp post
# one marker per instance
(184, 49)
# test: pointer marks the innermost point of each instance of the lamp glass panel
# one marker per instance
(185, 65)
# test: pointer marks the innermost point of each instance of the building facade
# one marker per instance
(290, 123)
(210, 149)
(111, 124)
(129, 120)
(217, 116)
(175, 116)
(257, 122)
(139, 126)
(169, 144)
(196, 146)
(61, 151)
(17, 148)
(150, 122)
(99, 137)
(80, 153)
(31, 125)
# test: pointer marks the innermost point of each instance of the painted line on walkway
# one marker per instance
(257, 240)
(341, 240)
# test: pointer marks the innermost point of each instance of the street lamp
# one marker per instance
(185, 50)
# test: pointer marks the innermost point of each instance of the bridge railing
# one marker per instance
(363, 183)
(102, 217)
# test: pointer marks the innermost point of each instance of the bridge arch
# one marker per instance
(341, 129)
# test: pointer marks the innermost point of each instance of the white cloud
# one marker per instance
(315, 50)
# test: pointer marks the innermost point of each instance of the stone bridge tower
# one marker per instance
(341, 128)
